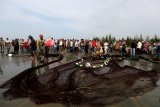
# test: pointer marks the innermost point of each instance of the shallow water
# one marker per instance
(11, 66)
(141, 64)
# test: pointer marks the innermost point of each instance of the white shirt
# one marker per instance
(139, 45)
(61, 43)
(71, 43)
(105, 44)
(76, 43)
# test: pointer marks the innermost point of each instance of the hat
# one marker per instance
(40, 35)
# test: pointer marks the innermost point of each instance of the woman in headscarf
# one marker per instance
(32, 46)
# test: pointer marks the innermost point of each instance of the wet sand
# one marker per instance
(11, 66)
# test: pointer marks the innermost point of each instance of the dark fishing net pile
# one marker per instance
(72, 85)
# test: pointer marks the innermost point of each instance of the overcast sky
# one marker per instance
(79, 18)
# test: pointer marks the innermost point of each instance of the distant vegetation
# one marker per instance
(110, 38)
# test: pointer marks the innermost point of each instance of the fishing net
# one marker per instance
(70, 84)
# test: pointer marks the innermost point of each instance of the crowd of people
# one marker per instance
(46, 46)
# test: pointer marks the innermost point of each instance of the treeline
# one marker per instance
(112, 39)
(107, 38)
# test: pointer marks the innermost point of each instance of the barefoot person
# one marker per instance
(49, 45)
(133, 49)
(158, 50)
(40, 48)
(8, 45)
(2, 45)
(32, 46)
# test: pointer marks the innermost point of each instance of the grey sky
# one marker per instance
(79, 18)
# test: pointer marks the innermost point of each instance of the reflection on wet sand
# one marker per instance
(42, 70)
(1, 71)
(71, 85)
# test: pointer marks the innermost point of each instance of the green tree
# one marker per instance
(96, 38)
(103, 39)
(156, 38)
(141, 38)
(110, 37)
(147, 38)
(107, 39)
(128, 41)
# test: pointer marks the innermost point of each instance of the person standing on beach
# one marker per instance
(105, 47)
(52, 44)
(123, 50)
(16, 46)
(86, 46)
(40, 48)
(26, 46)
(32, 46)
(2, 45)
(158, 50)
(48, 45)
(133, 49)
(93, 45)
(82, 46)
(139, 47)
(8, 45)
(60, 45)
(21, 43)
(76, 45)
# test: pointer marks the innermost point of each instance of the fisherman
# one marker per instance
(40, 48)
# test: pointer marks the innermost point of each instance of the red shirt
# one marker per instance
(93, 43)
(26, 44)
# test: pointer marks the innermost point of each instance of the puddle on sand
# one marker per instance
(141, 64)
